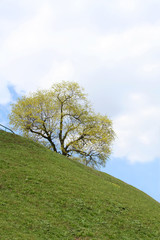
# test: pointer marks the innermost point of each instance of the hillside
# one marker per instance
(46, 196)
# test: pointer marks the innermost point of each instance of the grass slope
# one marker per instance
(46, 196)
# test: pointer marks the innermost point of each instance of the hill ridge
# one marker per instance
(47, 196)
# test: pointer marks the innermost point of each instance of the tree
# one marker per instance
(62, 119)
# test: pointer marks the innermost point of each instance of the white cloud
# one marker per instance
(5, 96)
(138, 131)
(127, 6)
(59, 71)
(28, 38)
(133, 43)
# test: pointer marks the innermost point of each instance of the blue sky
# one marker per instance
(112, 49)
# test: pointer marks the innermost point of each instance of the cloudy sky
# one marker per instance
(112, 49)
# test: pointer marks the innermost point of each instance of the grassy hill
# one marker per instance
(45, 196)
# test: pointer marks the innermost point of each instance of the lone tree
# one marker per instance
(62, 119)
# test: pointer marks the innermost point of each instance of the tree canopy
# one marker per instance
(63, 119)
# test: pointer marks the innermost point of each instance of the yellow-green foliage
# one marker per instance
(63, 119)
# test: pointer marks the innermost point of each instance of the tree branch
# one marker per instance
(48, 138)
(78, 139)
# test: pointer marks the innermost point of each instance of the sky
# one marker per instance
(112, 49)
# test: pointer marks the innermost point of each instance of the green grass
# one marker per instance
(45, 196)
